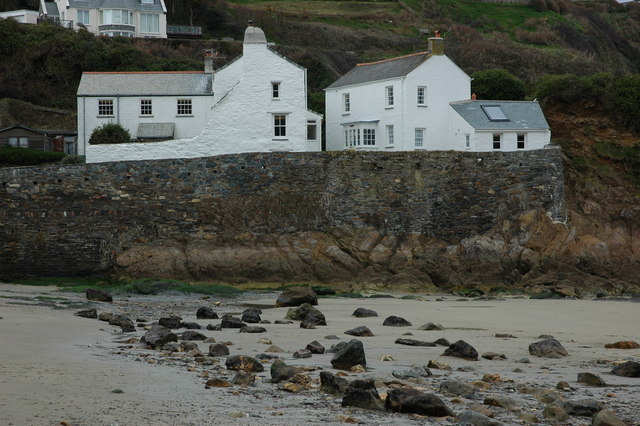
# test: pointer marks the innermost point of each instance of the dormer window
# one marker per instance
(495, 113)
(275, 90)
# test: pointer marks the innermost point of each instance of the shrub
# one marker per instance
(497, 84)
(109, 133)
(28, 157)
(565, 88)
(73, 159)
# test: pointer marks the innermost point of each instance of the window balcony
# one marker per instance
(117, 27)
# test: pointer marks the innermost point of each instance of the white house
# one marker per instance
(414, 103)
(126, 18)
(256, 103)
(23, 16)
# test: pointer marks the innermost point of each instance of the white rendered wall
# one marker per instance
(23, 16)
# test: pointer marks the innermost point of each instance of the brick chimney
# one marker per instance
(436, 44)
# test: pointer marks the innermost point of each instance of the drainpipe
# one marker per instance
(84, 126)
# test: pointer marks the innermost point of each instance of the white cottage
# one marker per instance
(422, 102)
(256, 103)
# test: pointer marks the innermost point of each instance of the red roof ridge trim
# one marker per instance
(392, 59)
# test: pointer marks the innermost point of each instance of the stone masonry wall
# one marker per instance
(74, 220)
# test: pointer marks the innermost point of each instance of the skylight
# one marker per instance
(495, 113)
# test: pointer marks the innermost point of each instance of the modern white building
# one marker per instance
(256, 103)
(126, 18)
(23, 16)
(413, 102)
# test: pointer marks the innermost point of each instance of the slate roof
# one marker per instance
(381, 70)
(51, 8)
(523, 115)
(117, 4)
(155, 130)
(162, 83)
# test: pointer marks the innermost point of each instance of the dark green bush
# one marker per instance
(497, 84)
(109, 133)
(28, 157)
(565, 88)
(73, 159)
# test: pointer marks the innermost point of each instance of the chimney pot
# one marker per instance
(473, 96)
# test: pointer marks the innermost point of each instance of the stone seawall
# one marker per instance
(76, 220)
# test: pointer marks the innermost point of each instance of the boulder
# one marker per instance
(252, 329)
(302, 353)
(462, 349)
(229, 321)
(555, 412)
(413, 342)
(548, 348)
(442, 342)
(492, 355)
(192, 335)
(431, 326)
(191, 325)
(98, 295)
(584, 407)
(315, 347)
(244, 378)
(336, 348)
(364, 313)
(361, 331)
(158, 335)
(332, 384)
(105, 316)
(473, 418)
(122, 321)
(394, 321)
(625, 344)
(172, 322)
(505, 402)
(409, 400)
(244, 363)
(606, 418)
(205, 312)
(350, 355)
(627, 369)
(296, 296)
(189, 346)
(251, 315)
(307, 313)
(414, 373)
(218, 349)
(214, 327)
(87, 313)
(591, 379)
(362, 394)
(281, 372)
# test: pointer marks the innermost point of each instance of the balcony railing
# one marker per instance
(184, 31)
(117, 27)
(62, 22)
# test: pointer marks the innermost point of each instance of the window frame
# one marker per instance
(368, 136)
(522, 142)
(145, 20)
(467, 141)
(497, 141)
(184, 107)
(389, 97)
(105, 108)
(421, 98)
(390, 135)
(422, 132)
(112, 14)
(346, 103)
(85, 14)
(312, 124)
(275, 90)
(146, 107)
(279, 125)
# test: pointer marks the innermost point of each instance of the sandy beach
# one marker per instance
(58, 367)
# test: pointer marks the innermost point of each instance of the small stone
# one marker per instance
(217, 382)
(431, 326)
(438, 365)
(491, 378)
(504, 336)
(237, 414)
(502, 401)
(244, 378)
(332, 337)
(332, 384)
(562, 385)
(626, 344)
(361, 331)
(473, 418)
(212, 327)
(192, 335)
(191, 325)
(209, 340)
(306, 313)
(315, 347)
(414, 373)
(528, 418)
(218, 349)
(292, 387)
(307, 325)
(87, 313)
(413, 342)
(456, 388)
(409, 400)
(251, 315)
(206, 312)
(105, 316)
(274, 349)
(523, 361)
(394, 321)
(364, 313)
(252, 329)
(591, 379)
(555, 412)
(302, 353)
(493, 355)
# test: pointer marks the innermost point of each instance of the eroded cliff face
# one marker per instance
(530, 252)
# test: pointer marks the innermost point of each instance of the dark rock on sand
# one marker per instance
(456, 388)
(431, 326)
(87, 313)
(229, 321)
(493, 355)
(548, 348)
(607, 418)
(189, 346)
(307, 325)
(409, 400)
(251, 315)
(281, 371)
(296, 296)
(315, 347)
(555, 412)
(172, 322)
(192, 335)
(252, 329)
(336, 348)
(332, 384)
(362, 394)
(361, 331)
(123, 322)
(212, 327)
(414, 373)
(244, 378)
(442, 342)
(158, 335)
(591, 379)
(413, 342)
(583, 407)
(308, 313)
(627, 369)
(364, 313)
(302, 353)
(394, 321)
(98, 295)
(105, 316)
(206, 312)
(218, 349)
(350, 355)
(244, 363)
(625, 344)
(462, 349)
(283, 322)
(217, 382)
(505, 402)
(191, 325)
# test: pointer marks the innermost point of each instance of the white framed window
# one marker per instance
(346, 103)
(275, 90)
(146, 107)
(389, 96)
(419, 138)
(149, 23)
(521, 140)
(422, 95)
(19, 141)
(147, 1)
(497, 141)
(312, 130)
(352, 137)
(184, 107)
(368, 137)
(279, 125)
(105, 107)
(390, 135)
(467, 141)
(82, 17)
(116, 16)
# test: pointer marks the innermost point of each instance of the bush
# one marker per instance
(109, 133)
(73, 159)
(27, 156)
(497, 84)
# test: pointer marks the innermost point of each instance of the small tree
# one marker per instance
(497, 84)
(109, 133)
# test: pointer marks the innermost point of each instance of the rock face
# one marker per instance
(158, 335)
(627, 369)
(296, 296)
(409, 400)
(98, 295)
(462, 349)
(548, 348)
(350, 355)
